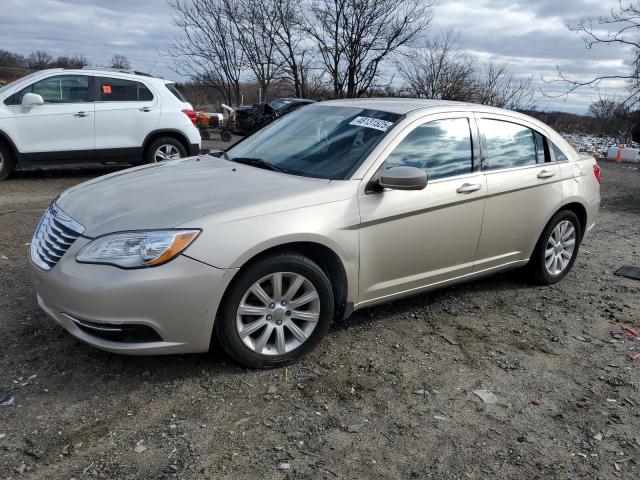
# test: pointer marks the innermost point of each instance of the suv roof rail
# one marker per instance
(116, 70)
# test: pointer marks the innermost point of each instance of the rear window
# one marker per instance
(507, 145)
(176, 93)
(119, 90)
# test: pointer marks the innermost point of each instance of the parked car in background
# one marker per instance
(92, 115)
(250, 119)
(337, 206)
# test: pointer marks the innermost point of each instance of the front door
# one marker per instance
(413, 239)
(62, 128)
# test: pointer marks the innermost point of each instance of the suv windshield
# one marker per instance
(317, 141)
(19, 80)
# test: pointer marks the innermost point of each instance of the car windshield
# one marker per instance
(15, 82)
(317, 141)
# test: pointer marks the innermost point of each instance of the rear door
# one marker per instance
(126, 112)
(524, 188)
(413, 239)
(61, 129)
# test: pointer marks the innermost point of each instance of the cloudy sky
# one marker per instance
(530, 35)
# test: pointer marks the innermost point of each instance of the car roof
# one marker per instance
(403, 106)
(104, 71)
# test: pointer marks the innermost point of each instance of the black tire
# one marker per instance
(226, 136)
(537, 264)
(149, 156)
(225, 325)
(7, 162)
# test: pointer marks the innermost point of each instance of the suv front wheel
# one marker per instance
(6, 162)
(163, 149)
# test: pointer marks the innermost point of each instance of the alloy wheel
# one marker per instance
(560, 247)
(166, 152)
(278, 313)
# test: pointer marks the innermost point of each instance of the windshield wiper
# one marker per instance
(258, 162)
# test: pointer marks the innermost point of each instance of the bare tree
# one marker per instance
(287, 24)
(256, 35)
(68, 61)
(120, 62)
(39, 60)
(355, 37)
(613, 117)
(498, 87)
(620, 29)
(440, 70)
(209, 50)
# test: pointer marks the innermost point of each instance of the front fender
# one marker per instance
(233, 243)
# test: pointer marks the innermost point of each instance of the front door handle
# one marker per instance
(469, 187)
(146, 109)
(546, 174)
(81, 114)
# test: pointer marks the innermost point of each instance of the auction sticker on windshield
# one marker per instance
(369, 122)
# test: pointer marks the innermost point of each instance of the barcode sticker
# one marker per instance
(369, 122)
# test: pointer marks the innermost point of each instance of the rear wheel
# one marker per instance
(557, 248)
(163, 149)
(6, 162)
(276, 312)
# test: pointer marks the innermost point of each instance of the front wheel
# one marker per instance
(557, 248)
(277, 310)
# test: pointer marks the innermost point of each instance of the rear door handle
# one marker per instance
(546, 174)
(469, 187)
(81, 114)
(146, 109)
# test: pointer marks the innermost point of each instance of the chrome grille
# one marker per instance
(56, 232)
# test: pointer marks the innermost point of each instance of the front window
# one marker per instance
(58, 89)
(442, 148)
(318, 141)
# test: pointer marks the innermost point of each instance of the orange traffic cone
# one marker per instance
(619, 156)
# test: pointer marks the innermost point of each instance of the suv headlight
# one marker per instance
(137, 249)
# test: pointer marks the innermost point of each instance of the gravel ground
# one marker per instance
(389, 393)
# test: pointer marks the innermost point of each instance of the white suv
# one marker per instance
(65, 115)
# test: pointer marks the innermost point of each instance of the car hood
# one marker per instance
(168, 194)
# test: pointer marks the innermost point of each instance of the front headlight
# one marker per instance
(137, 249)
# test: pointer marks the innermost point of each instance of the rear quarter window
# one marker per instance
(176, 93)
(560, 157)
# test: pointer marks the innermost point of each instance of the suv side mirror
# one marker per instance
(31, 100)
(403, 178)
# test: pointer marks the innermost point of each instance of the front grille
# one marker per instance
(56, 232)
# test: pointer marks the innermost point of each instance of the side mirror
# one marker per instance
(403, 178)
(31, 100)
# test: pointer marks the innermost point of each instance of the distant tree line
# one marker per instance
(333, 49)
(14, 65)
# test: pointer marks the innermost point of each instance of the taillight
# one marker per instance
(192, 116)
(597, 172)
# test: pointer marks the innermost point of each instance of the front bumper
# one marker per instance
(178, 301)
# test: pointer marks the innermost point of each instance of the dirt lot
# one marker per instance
(389, 394)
